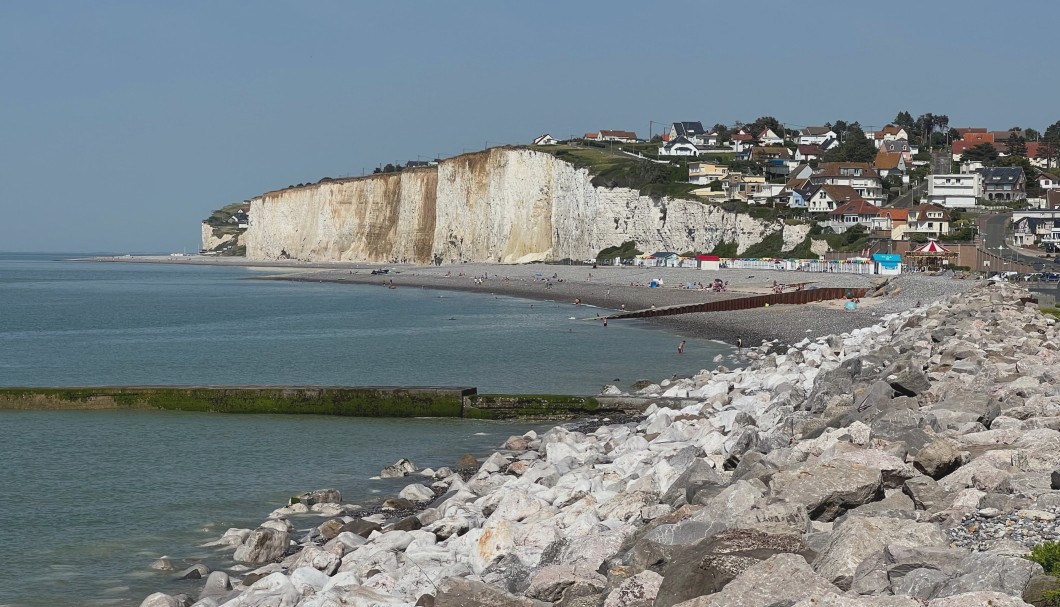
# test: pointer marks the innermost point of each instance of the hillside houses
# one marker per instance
(861, 176)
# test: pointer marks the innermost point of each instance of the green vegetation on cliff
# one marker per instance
(613, 169)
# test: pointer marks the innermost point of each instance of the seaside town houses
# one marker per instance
(819, 174)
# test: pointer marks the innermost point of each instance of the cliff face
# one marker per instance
(503, 205)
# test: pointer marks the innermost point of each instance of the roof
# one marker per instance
(622, 134)
(834, 169)
(742, 137)
(684, 129)
(887, 160)
(765, 133)
(978, 137)
(1052, 198)
(857, 206)
(896, 145)
(840, 192)
(814, 131)
(775, 151)
(895, 214)
(591, 135)
(682, 140)
(1001, 174)
(663, 254)
(965, 130)
(707, 258)
(810, 150)
(1004, 135)
(890, 129)
(1049, 176)
(921, 211)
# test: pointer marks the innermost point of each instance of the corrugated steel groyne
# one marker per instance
(746, 303)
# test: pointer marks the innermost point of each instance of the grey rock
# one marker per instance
(830, 488)
(698, 476)
(979, 599)
(706, 568)
(160, 599)
(921, 583)
(855, 538)
(555, 583)
(768, 583)
(320, 496)
(402, 467)
(218, 584)
(461, 592)
(926, 494)
(906, 377)
(263, 545)
(1054, 479)
(988, 572)
(195, 572)
(360, 527)
(162, 564)
(938, 458)
(639, 590)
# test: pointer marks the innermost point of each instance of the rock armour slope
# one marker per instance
(503, 205)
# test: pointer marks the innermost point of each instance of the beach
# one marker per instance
(626, 287)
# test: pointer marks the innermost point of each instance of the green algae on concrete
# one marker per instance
(357, 402)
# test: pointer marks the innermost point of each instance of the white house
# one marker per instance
(693, 131)
(546, 139)
(828, 198)
(806, 153)
(680, 146)
(816, 135)
(889, 133)
(928, 219)
(768, 138)
(955, 191)
(1048, 181)
(859, 175)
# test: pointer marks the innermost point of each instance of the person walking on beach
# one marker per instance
(681, 347)
(739, 345)
(605, 321)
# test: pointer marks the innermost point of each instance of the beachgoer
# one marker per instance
(605, 321)
(681, 347)
(577, 301)
(739, 345)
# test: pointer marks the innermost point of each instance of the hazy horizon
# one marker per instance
(127, 123)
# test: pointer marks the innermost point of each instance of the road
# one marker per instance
(910, 198)
(993, 228)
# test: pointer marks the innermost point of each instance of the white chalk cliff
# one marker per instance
(503, 205)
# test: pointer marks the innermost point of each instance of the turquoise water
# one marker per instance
(91, 498)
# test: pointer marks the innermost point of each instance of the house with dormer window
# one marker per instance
(860, 176)
(928, 219)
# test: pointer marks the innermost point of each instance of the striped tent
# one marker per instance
(931, 255)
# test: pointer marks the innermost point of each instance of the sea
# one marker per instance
(91, 498)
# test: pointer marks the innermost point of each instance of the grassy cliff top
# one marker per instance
(613, 169)
(220, 220)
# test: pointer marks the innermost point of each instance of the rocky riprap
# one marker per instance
(902, 465)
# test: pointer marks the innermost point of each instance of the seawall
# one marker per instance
(504, 205)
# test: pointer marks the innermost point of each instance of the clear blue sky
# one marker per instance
(124, 123)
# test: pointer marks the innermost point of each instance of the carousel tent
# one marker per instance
(931, 255)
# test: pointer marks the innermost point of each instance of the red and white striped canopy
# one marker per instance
(931, 248)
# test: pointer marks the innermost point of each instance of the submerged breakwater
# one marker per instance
(311, 400)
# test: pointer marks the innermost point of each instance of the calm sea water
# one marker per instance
(91, 498)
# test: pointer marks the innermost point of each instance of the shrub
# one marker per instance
(1047, 555)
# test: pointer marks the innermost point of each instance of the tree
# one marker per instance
(722, 132)
(840, 126)
(656, 139)
(905, 120)
(984, 152)
(1031, 135)
(1052, 134)
(855, 147)
(1048, 153)
(1016, 145)
(767, 122)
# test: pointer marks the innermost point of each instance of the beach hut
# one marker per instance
(931, 256)
(708, 262)
(887, 263)
(665, 259)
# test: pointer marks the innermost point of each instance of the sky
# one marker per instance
(123, 124)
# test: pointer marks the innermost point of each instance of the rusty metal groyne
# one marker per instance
(746, 303)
